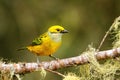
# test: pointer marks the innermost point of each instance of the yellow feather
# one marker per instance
(47, 48)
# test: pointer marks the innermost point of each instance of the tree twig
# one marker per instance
(111, 27)
(55, 72)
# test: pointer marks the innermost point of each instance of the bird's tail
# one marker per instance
(23, 48)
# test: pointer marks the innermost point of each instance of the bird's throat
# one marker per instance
(55, 36)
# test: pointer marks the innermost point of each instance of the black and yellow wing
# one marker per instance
(39, 40)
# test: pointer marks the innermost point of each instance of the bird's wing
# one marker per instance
(39, 40)
(36, 41)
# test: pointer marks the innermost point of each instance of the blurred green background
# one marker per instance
(23, 20)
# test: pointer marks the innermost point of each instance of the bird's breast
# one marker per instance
(48, 47)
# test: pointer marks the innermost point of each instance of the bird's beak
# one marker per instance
(64, 31)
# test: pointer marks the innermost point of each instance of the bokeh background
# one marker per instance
(23, 20)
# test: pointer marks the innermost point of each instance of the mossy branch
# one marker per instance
(22, 68)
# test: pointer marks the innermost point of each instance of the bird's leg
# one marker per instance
(38, 60)
(53, 57)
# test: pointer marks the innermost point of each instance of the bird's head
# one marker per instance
(56, 32)
(57, 29)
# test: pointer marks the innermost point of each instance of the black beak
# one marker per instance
(64, 31)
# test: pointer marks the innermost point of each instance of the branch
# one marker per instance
(116, 23)
(21, 68)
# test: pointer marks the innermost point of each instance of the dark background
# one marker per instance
(23, 20)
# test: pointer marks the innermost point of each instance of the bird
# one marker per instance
(47, 43)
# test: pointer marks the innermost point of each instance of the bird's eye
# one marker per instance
(58, 29)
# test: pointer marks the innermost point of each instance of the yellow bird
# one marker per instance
(47, 43)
